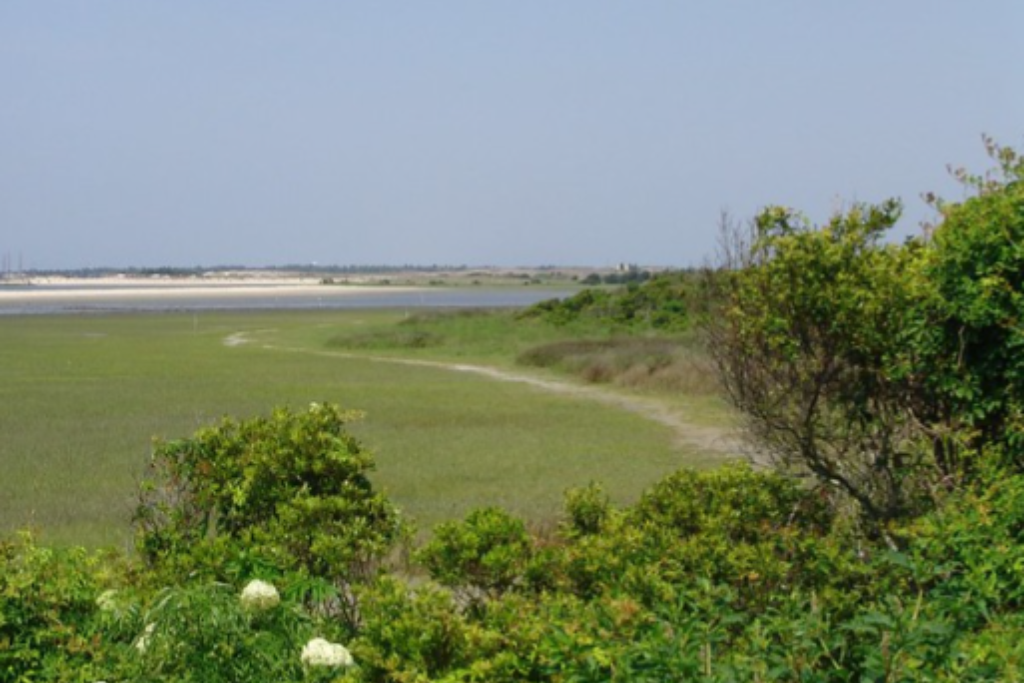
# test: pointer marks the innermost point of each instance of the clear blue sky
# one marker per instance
(505, 132)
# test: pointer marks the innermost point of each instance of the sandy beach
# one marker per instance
(248, 291)
(54, 289)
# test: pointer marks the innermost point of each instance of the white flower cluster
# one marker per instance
(143, 642)
(320, 652)
(106, 601)
(260, 595)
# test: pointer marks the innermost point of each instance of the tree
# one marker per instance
(884, 370)
(810, 341)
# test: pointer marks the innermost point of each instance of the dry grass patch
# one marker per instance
(664, 364)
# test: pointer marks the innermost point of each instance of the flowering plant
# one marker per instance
(321, 652)
(143, 640)
(107, 601)
(260, 595)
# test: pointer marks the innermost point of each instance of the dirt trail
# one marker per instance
(703, 437)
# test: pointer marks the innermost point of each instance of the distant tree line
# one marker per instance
(623, 277)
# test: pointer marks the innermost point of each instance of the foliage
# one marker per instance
(291, 489)
(973, 548)
(204, 632)
(587, 510)
(410, 635)
(46, 601)
(976, 335)
(884, 370)
(661, 302)
(625, 275)
(723, 523)
(810, 341)
(485, 554)
(726, 575)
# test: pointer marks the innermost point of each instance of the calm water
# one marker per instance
(110, 300)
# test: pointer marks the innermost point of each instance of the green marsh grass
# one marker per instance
(492, 336)
(671, 367)
(83, 396)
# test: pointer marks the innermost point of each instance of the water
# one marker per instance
(50, 300)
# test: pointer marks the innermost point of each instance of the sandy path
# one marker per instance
(685, 432)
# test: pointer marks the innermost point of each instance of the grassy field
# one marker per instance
(83, 396)
(673, 368)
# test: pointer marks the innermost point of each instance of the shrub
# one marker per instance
(968, 556)
(587, 510)
(973, 339)
(409, 635)
(290, 489)
(661, 302)
(887, 371)
(209, 633)
(47, 604)
(733, 500)
(813, 341)
(483, 556)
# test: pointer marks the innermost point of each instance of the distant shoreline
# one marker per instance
(100, 288)
(68, 295)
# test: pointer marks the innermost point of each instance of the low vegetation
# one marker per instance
(642, 336)
(663, 302)
(886, 545)
(722, 575)
(84, 395)
(662, 364)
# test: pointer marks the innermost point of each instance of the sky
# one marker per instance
(198, 133)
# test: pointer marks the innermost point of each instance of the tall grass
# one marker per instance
(661, 364)
(482, 335)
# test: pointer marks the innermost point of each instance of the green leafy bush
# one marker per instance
(47, 603)
(721, 576)
(290, 489)
(587, 511)
(975, 341)
(662, 302)
(813, 338)
(887, 371)
(408, 634)
(742, 575)
(484, 555)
